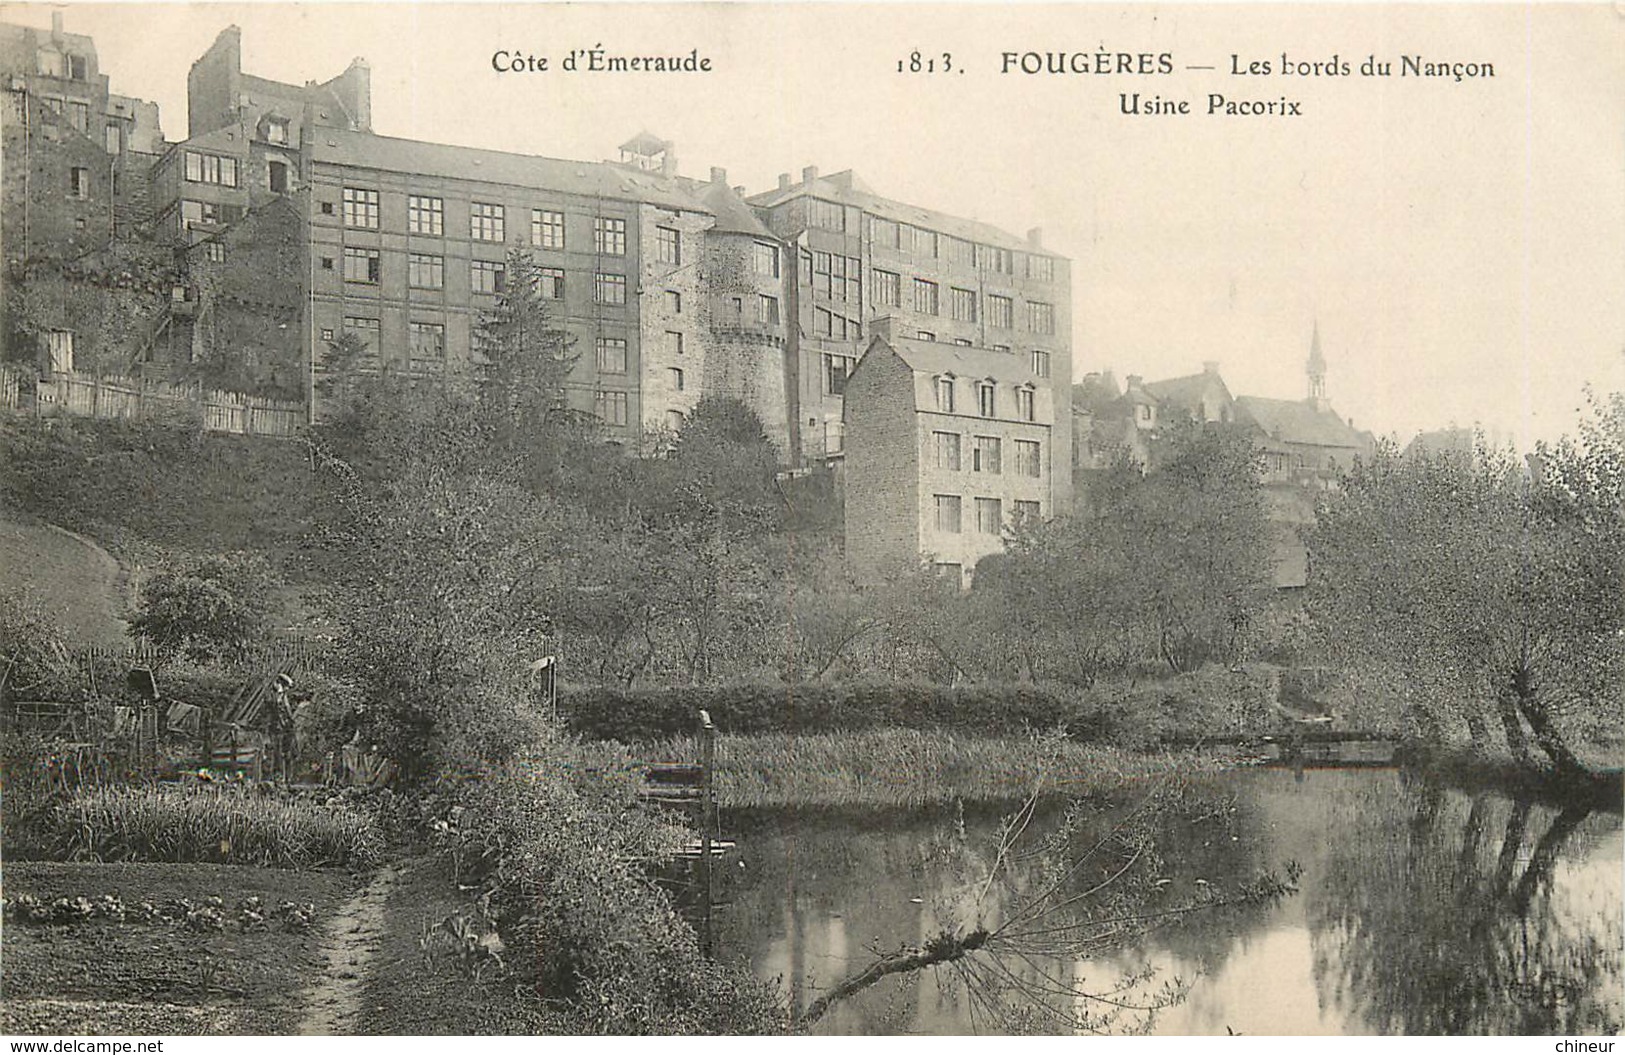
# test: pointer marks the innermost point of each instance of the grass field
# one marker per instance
(77, 582)
(100, 976)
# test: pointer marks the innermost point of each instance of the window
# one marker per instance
(767, 310)
(920, 241)
(79, 116)
(989, 516)
(826, 214)
(276, 129)
(327, 263)
(827, 324)
(947, 444)
(425, 215)
(959, 252)
(609, 236)
(885, 288)
(674, 302)
(199, 212)
(609, 289)
(674, 342)
(925, 335)
(612, 355)
(884, 233)
(486, 222)
(961, 342)
(552, 283)
(1143, 412)
(78, 68)
(945, 394)
(276, 174)
(668, 245)
(950, 572)
(424, 271)
(964, 303)
(1002, 348)
(427, 344)
(986, 455)
(674, 420)
(834, 437)
(1027, 458)
(948, 513)
(837, 371)
(487, 276)
(999, 313)
(1040, 317)
(49, 62)
(327, 333)
(546, 229)
(1041, 268)
(206, 168)
(676, 375)
(1040, 362)
(366, 329)
(925, 297)
(766, 259)
(327, 208)
(361, 265)
(114, 142)
(986, 405)
(214, 252)
(610, 407)
(360, 208)
(1025, 409)
(1027, 510)
(992, 258)
(78, 183)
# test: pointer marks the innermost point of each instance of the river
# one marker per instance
(1419, 910)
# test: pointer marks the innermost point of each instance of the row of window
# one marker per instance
(77, 113)
(987, 398)
(488, 222)
(427, 271)
(986, 454)
(989, 515)
(886, 290)
(50, 62)
(924, 242)
(210, 168)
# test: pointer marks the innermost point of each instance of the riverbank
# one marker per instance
(914, 769)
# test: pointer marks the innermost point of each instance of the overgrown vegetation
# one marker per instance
(222, 826)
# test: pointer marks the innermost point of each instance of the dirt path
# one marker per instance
(333, 1002)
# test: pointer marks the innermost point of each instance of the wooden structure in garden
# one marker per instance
(691, 788)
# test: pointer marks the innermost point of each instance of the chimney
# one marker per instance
(740, 190)
(1210, 366)
(719, 175)
(56, 26)
(809, 173)
(1035, 235)
(784, 181)
(668, 161)
(1134, 380)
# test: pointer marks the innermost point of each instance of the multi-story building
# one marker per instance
(73, 163)
(947, 446)
(858, 257)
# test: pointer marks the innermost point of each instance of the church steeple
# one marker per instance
(1317, 371)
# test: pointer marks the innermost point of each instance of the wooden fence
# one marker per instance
(90, 396)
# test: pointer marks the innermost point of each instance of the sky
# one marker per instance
(1459, 243)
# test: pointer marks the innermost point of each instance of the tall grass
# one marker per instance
(213, 825)
(910, 768)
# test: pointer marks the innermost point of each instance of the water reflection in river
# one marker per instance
(1421, 910)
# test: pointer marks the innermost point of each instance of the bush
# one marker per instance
(569, 857)
(647, 714)
(212, 825)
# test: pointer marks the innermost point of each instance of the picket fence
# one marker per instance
(92, 396)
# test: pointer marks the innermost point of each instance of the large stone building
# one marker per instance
(946, 447)
(857, 257)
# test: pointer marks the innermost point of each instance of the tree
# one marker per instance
(206, 608)
(1485, 583)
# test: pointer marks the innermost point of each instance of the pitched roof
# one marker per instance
(1186, 391)
(846, 188)
(1298, 421)
(366, 150)
(934, 357)
(733, 215)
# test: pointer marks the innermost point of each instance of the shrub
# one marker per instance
(212, 825)
(569, 857)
